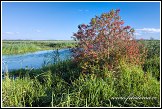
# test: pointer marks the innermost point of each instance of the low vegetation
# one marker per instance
(20, 47)
(63, 84)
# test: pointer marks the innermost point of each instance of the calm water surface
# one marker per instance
(33, 60)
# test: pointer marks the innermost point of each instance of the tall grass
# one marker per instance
(62, 85)
(133, 82)
(21, 92)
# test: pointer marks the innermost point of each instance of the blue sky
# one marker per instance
(59, 20)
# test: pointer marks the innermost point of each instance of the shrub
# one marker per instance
(104, 42)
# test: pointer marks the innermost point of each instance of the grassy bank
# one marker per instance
(25, 46)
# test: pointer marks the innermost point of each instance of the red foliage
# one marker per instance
(105, 41)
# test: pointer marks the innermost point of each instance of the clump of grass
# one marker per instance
(21, 92)
(89, 91)
(133, 82)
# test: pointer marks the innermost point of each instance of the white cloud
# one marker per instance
(10, 33)
(149, 30)
(137, 34)
(146, 33)
(83, 10)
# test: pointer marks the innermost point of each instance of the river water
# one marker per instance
(34, 60)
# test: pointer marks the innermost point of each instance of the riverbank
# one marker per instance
(26, 46)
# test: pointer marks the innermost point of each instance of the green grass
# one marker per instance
(63, 85)
(20, 47)
(21, 92)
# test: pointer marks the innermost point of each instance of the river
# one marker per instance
(34, 60)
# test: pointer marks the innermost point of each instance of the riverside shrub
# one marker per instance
(105, 42)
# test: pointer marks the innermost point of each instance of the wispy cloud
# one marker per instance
(83, 10)
(80, 10)
(146, 33)
(10, 33)
(149, 30)
(137, 34)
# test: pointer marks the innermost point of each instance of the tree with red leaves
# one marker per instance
(105, 42)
